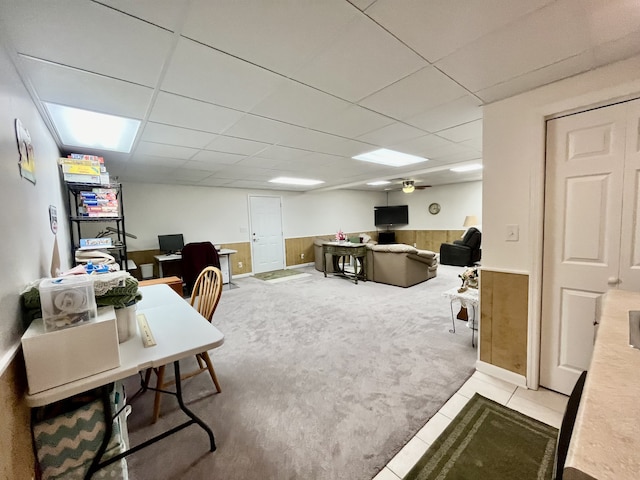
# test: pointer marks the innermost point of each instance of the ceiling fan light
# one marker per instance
(407, 186)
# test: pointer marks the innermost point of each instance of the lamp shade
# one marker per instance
(470, 221)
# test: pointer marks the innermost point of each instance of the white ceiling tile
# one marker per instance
(280, 36)
(394, 133)
(262, 129)
(160, 133)
(475, 143)
(284, 104)
(223, 143)
(423, 146)
(354, 120)
(164, 150)
(362, 59)
(362, 4)
(217, 77)
(609, 20)
(351, 148)
(260, 162)
(66, 32)
(203, 166)
(165, 13)
(616, 50)
(312, 140)
(247, 172)
(190, 174)
(414, 94)
(215, 181)
(467, 131)
(462, 110)
(279, 153)
(151, 162)
(439, 27)
(542, 38)
(76, 88)
(570, 66)
(218, 158)
(185, 112)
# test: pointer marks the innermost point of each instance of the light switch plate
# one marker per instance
(513, 233)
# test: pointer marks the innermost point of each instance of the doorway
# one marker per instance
(267, 240)
(591, 232)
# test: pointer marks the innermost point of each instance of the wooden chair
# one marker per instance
(204, 298)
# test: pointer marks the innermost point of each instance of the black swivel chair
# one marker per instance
(462, 253)
(566, 428)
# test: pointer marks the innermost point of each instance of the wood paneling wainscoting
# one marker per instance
(243, 255)
(504, 300)
(17, 460)
(422, 239)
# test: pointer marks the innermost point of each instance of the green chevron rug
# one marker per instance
(488, 440)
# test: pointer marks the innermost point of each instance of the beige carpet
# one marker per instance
(321, 379)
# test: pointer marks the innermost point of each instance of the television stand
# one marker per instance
(388, 237)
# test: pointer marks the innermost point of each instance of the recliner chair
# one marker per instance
(462, 253)
(195, 257)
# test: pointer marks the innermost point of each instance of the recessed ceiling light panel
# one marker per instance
(379, 182)
(296, 181)
(392, 158)
(84, 128)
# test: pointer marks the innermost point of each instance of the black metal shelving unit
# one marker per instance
(76, 221)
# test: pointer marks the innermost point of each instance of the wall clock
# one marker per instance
(434, 208)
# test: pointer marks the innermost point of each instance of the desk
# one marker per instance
(169, 261)
(468, 298)
(347, 249)
(179, 330)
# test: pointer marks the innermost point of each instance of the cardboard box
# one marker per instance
(63, 356)
(79, 178)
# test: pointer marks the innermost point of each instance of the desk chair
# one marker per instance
(195, 257)
(204, 298)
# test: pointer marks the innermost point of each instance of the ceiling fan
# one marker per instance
(409, 186)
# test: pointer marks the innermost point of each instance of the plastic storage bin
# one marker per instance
(67, 302)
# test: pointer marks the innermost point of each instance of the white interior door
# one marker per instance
(267, 242)
(630, 238)
(583, 209)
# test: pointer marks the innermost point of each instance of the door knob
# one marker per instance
(613, 281)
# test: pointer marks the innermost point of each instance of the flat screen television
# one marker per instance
(391, 215)
(171, 243)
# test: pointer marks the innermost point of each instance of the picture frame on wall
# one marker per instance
(26, 156)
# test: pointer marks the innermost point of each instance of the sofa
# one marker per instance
(400, 265)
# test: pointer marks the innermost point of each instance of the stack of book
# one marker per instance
(79, 168)
(98, 202)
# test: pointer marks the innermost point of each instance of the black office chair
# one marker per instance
(566, 428)
(195, 257)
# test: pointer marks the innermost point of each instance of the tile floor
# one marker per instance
(542, 404)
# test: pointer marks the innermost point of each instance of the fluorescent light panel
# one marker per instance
(296, 181)
(379, 182)
(84, 128)
(467, 168)
(392, 158)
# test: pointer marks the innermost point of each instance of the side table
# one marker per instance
(468, 298)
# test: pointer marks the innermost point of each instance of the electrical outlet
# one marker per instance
(302, 256)
(239, 264)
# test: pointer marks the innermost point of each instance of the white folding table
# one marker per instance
(179, 331)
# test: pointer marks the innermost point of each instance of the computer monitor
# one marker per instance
(171, 243)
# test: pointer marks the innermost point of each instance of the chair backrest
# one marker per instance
(207, 292)
(566, 428)
(472, 238)
(195, 257)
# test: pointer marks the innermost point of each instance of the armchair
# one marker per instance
(462, 253)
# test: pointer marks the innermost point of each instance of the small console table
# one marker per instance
(467, 298)
(346, 249)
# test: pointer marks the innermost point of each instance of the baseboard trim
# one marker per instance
(501, 373)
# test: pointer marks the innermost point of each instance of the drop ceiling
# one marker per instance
(235, 93)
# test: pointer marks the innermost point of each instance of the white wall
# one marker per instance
(513, 175)
(456, 202)
(26, 240)
(221, 215)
